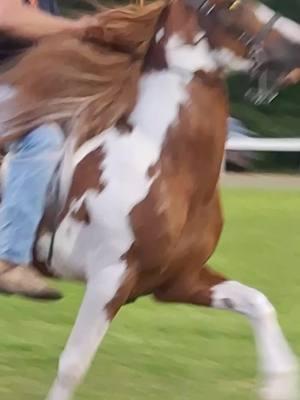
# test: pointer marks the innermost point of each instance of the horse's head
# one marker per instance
(238, 35)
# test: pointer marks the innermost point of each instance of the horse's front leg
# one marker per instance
(99, 305)
(276, 361)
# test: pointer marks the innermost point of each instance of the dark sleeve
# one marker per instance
(49, 6)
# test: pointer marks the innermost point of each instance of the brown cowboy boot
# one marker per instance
(24, 280)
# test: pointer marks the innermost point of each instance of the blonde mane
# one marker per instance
(87, 81)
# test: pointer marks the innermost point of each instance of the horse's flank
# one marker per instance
(88, 79)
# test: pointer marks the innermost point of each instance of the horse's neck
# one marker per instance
(160, 95)
(168, 71)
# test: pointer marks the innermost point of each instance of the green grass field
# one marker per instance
(162, 352)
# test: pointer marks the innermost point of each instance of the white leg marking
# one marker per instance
(276, 360)
(91, 325)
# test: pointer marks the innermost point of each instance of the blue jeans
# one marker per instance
(32, 162)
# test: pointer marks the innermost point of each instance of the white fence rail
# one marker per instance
(263, 144)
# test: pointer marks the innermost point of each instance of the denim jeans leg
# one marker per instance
(32, 162)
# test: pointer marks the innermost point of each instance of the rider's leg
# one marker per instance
(32, 162)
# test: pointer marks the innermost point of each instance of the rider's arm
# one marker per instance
(28, 22)
(294, 76)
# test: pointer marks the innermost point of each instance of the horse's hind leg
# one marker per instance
(99, 305)
(276, 361)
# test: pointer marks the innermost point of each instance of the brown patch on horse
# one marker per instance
(148, 221)
(82, 214)
(194, 285)
(179, 19)
(122, 294)
(183, 201)
(87, 176)
(156, 56)
(211, 79)
(183, 21)
(153, 170)
(123, 125)
(183, 186)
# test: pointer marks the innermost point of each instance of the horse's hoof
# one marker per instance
(281, 387)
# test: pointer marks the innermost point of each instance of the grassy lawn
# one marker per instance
(170, 352)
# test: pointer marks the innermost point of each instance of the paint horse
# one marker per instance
(139, 203)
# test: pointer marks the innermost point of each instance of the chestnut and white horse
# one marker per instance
(139, 205)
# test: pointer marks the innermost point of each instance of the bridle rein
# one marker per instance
(265, 92)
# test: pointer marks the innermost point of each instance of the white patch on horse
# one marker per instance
(3, 171)
(67, 240)
(287, 27)
(160, 34)
(7, 92)
(91, 325)
(188, 57)
(231, 62)
(277, 362)
(43, 245)
(198, 37)
(81, 249)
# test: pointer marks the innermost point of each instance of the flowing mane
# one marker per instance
(87, 81)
